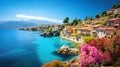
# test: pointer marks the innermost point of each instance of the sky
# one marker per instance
(52, 10)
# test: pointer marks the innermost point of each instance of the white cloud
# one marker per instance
(26, 17)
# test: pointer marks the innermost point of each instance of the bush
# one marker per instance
(88, 38)
(107, 63)
(55, 63)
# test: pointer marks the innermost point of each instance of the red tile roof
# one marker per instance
(105, 28)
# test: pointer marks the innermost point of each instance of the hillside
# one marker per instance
(21, 24)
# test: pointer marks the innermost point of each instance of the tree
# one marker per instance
(75, 21)
(118, 5)
(104, 14)
(114, 6)
(88, 18)
(66, 20)
(97, 16)
(79, 19)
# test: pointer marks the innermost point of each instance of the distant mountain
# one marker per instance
(19, 24)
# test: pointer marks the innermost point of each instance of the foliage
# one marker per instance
(100, 43)
(109, 49)
(89, 55)
(88, 18)
(33, 29)
(63, 25)
(96, 23)
(93, 42)
(75, 35)
(114, 48)
(116, 15)
(50, 29)
(110, 13)
(104, 23)
(116, 6)
(104, 14)
(107, 63)
(97, 16)
(66, 20)
(78, 46)
(55, 63)
(87, 38)
(75, 21)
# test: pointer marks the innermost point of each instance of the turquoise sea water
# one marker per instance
(28, 49)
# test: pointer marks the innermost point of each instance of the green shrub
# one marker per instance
(88, 38)
(107, 63)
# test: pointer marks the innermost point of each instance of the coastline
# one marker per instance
(72, 39)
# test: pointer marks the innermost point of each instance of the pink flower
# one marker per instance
(89, 55)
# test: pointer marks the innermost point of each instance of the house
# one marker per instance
(105, 32)
(95, 27)
(116, 11)
(85, 31)
(116, 23)
(113, 22)
(68, 31)
(56, 27)
(74, 31)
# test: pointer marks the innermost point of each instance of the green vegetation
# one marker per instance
(88, 38)
(97, 16)
(55, 63)
(78, 46)
(75, 35)
(103, 23)
(104, 14)
(116, 6)
(50, 29)
(75, 22)
(110, 13)
(117, 16)
(66, 20)
(88, 18)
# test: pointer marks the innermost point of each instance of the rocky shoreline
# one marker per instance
(67, 50)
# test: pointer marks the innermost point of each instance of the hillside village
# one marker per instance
(103, 27)
(103, 32)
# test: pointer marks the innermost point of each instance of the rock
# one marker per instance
(67, 50)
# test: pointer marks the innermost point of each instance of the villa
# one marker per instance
(87, 30)
(113, 22)
(105, 32)
(67, 31)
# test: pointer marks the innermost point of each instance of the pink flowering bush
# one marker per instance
(89, 55)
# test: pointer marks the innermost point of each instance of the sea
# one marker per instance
(19, 48)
